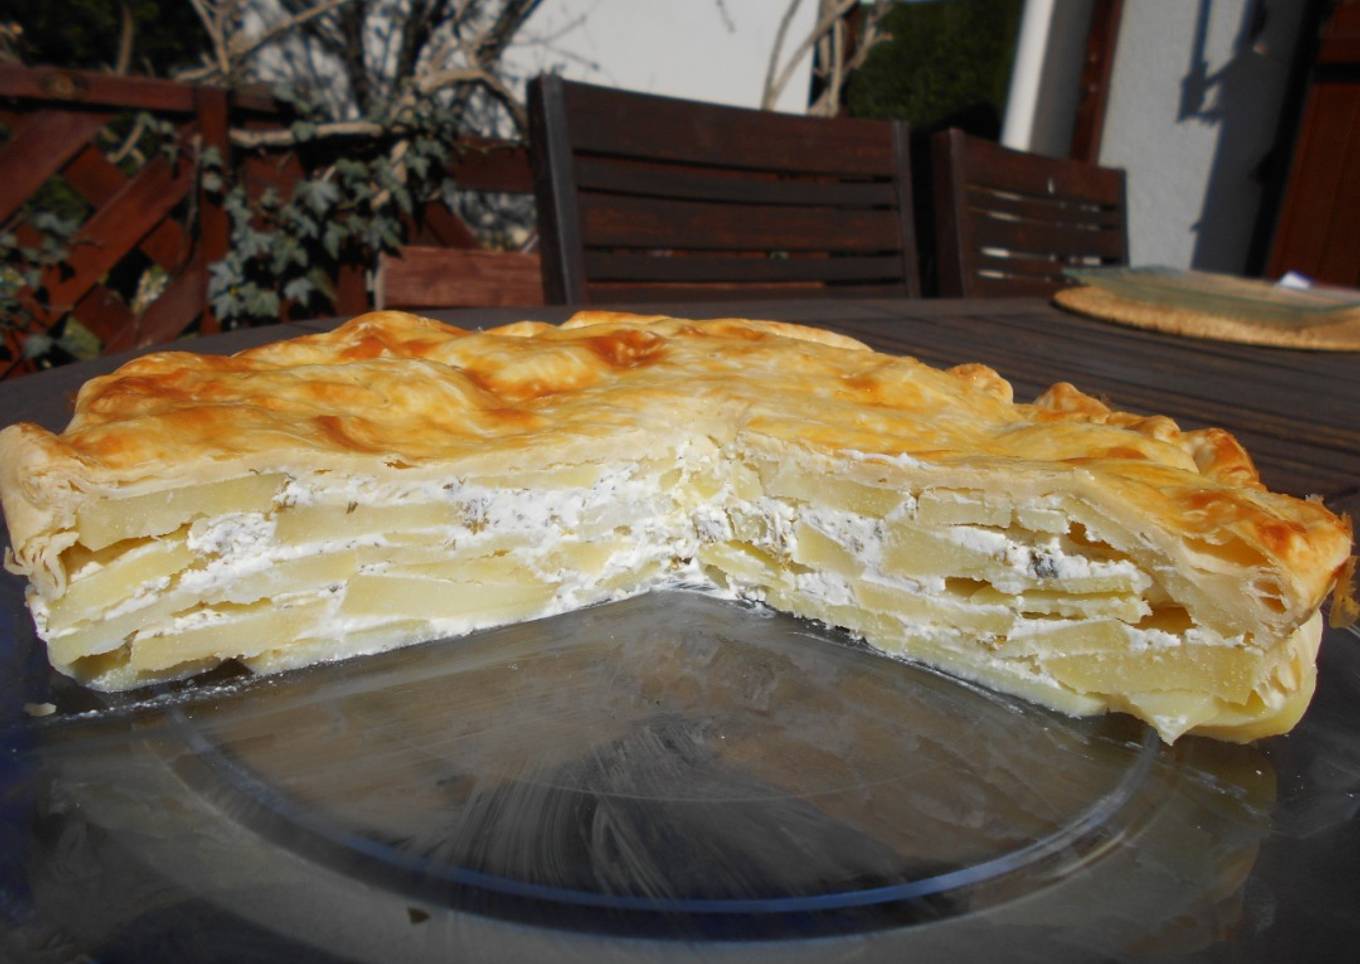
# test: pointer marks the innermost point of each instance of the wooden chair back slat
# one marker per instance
(606, 266)
(1008, 222)
(427, 277)
(745, 291)
(625, 124)
(1036, 238)
(625, 176)
(991, 264)
(1050, 210)
(622, 222)
(990, 165)
(1013, 287)
(630, 185)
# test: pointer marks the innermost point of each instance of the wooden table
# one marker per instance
(1297, 412)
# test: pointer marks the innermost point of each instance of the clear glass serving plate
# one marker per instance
(666, 776)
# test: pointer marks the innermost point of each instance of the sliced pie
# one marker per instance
(399, 480)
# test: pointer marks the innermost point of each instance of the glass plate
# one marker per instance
(632, 777)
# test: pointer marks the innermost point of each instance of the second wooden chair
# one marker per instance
(652, 198)
(1008, 222)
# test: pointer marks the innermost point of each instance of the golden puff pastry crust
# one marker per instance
(392, 396)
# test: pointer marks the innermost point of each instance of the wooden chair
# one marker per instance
(1008, 222)
(421, 277)
(652, 198)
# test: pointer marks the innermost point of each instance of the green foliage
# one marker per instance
(359, 193)
(48, 222)
(944, 58)
(22, 266)
(345, 211)
(86, 33)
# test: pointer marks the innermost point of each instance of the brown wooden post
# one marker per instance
(210, 103)
(1101, 41)
(351, 289)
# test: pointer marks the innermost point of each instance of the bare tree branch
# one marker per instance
(352, 20)
(829, 38)
(130, 142)
(769, 95)
(396, 57)
(210, 17)
(826, 23)
(127, 33)
(252, 45)
(288, 138)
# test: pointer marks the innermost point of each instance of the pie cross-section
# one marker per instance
(399, 480)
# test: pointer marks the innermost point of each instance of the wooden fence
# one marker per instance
(159, 212)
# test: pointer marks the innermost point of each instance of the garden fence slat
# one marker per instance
(167, 316)
(103, 312)
(150, 211)
(116, 227)
(97, 179)
(38, 149)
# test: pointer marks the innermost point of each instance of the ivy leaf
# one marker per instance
(36, 345)
(52, 225)
(252, 243)
(333, 239)
(299, 289)
(382, 234)
(299, 222)
(448, 193)
(212, 182)
(281, 254)
(319, 196)
(286, 93)
(350, 169)
(236, 205)
(225, 303)
(302, 130)
(362, 191)
(211, 157)
(322, 281)
(260, 302)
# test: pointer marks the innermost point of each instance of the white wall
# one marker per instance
(1192, 197)
(1041, 109)
(709, 50)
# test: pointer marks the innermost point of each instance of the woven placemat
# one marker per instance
(1341, 332)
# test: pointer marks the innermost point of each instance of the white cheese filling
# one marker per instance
(655, 531)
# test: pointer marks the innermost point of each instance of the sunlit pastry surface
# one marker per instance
(399, 480)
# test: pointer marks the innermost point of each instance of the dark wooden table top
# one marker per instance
(1297, 412)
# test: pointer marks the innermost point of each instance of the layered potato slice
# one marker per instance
(1017, 595)
(399, 480)
(271, 569)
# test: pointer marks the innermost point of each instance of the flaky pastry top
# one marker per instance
(408, 393)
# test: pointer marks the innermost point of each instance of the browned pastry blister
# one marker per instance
(398, 480)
